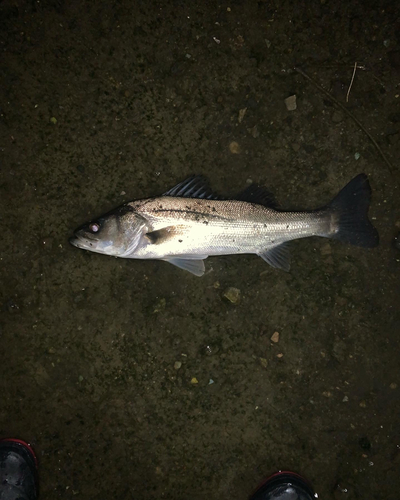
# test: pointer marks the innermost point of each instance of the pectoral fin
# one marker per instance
(194, 266)
(278, 257)
(163, 235)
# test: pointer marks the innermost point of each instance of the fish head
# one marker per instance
(116, 233)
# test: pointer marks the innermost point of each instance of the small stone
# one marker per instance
(12, 306)
(393, 385)
(51, 350)
(327, 394)
(275, 337)
(232, 294)
(216, 284)
(363, 404)
(337, 117)
(345, 399)
(242, 112)
(211, 381)
(228, 9)
(53, 120)
(122, 193)
(280, 355)
(365, 443)
(326, 249)
(264, 362)
(254, 132)
(234, 148)
(160, 306)
(194, 381)
(177, 365)
(80, 378)
(357, 156)
(290, 102)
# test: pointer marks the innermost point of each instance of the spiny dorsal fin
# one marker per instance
(259, 195)
(195, 186)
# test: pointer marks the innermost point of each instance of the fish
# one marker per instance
(189, 223)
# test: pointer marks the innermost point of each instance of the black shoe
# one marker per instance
(284, 486)
(18, 471)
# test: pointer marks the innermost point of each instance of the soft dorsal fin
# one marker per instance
(259, 195)
(193, 187)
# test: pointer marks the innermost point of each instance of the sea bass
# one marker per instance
(189, 223)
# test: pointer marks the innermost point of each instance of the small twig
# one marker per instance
(348, 113)
(352, 80)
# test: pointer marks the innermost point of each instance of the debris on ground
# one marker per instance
(275, 337)
(290, 102)
(242, 112)
(232, 294)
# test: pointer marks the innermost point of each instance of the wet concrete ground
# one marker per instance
(104, 102)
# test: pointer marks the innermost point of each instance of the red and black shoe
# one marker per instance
(18, 471)
(284, 486)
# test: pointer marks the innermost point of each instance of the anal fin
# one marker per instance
(194, 266)
(278, 257)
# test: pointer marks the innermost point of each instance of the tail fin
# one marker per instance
(350, 211)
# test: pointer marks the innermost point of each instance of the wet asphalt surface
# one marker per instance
(134, 379)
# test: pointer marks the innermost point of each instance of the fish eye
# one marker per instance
(94, 227)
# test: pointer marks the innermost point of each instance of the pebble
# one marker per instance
(280, 355)
(327, 394)
(194, 381)
(232, 294)
(275, 337)
(177, 365)
(242, 112)
(234, 148)
(160, 306)
(290, 102)
(254, 132)
(53, 120)
(393, 385)
(345, 399)
(326, 249)
(363, 404)
(264, 362)
(337, 117)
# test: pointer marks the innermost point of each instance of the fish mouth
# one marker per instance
(81, 242)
